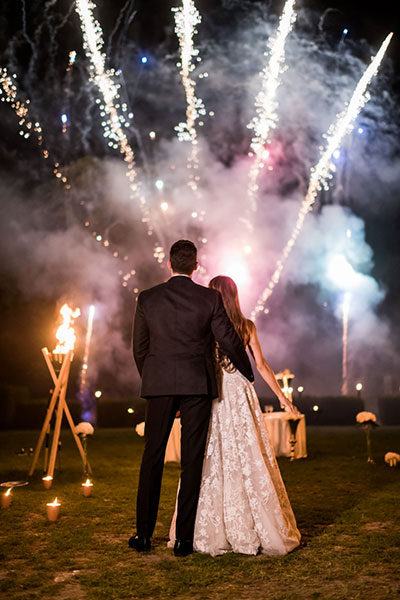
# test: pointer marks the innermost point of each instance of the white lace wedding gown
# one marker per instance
(243, 505)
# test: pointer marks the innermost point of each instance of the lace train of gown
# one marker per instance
(243, 505)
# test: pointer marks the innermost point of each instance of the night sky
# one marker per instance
(38, 215)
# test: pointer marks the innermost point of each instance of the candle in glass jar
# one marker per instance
(6, 499)
(53, 510)
(87, 487)
(47, 481)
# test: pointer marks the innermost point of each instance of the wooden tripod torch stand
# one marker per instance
(57, 404)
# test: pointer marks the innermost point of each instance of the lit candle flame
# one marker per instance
(87, 482)
(54, 503)
(8, 492)
(65, 333)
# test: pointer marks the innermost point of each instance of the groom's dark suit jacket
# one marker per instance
(174, 330)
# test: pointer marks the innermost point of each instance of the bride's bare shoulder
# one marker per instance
(251, 326)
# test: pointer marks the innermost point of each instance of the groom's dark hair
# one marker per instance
(183, 257)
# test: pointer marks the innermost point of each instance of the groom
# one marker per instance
(174, 330)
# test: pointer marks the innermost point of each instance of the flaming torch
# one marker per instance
(65, 333)
(62, 356)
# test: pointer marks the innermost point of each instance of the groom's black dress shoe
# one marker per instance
(183, 547)
(140, 543)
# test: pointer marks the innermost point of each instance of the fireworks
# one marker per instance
(345, 326)
(186, 18)
(266, 103)
(71, 60)
(114, 121)
(8, 93)
(322, 173)
(85, 364)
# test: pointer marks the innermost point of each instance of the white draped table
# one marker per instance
(279, 433)
(278, 429)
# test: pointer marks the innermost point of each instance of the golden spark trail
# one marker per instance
(266, 103)
(88, 338)
(323, 171)
(345, 325)
(8, 93)
(113, 127)
(186, 18)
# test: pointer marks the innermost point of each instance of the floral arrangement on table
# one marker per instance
(392, 459)
(367, 420)
(140, 429)
(84, 429)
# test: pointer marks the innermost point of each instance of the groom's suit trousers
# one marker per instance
(160, 414)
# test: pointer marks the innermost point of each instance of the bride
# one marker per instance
(243, 505)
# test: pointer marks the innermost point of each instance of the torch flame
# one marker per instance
(8, 492)
(65, 333)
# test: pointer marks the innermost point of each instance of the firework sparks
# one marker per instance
(114, 124)
(322, 173)
(88, 338)
(186, 18)
(266, 103)
(345, 325)
(114, 120)
(71, 60)
(8, 93)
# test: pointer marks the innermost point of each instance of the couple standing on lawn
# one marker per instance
(189, 344)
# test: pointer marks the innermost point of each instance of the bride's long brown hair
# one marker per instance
(229, 292)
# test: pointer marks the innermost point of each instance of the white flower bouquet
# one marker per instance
(392, 459)
(366, 417)
(367, 420)
(140, 429)
(84, 429)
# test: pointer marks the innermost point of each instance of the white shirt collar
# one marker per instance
(180, 275)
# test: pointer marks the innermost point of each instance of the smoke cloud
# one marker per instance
(48, 251)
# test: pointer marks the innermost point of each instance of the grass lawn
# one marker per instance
(347, 511)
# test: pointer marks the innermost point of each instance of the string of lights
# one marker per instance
(322, 173)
